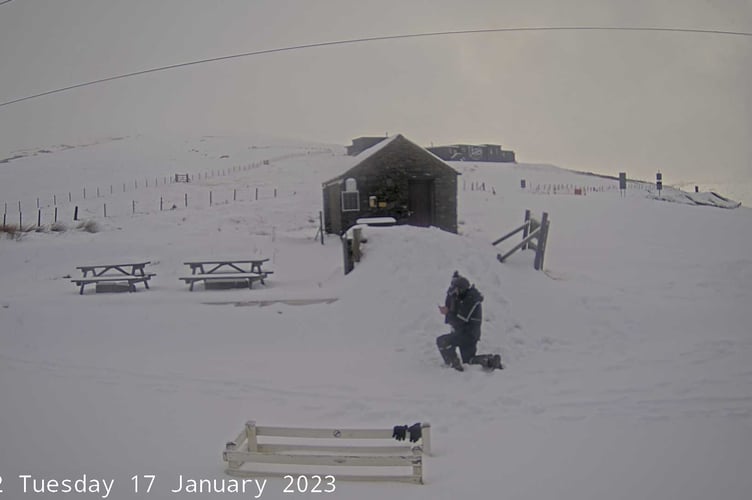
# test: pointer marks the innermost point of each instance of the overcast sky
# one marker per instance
(605, 101)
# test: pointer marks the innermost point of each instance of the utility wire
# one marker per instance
(371, 39)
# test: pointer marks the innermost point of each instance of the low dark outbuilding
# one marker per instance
(394, 178)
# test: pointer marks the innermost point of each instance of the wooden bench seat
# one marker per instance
(131, 280)
(247, 277)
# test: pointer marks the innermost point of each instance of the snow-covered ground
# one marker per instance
(739, 190)
(628, 361)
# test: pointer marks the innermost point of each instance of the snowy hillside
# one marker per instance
(628, 369)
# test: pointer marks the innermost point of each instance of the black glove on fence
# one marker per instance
(415, 432)
(399, 432)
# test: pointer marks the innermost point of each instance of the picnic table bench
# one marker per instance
(130, 273)
(244, 270)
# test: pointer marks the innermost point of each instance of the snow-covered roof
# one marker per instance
(367, 153)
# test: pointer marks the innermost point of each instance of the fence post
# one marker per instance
(4, 215)
(134, 207)
(210, 198)
(321, 225)
(250, 436)
(105, 210)
(20, 221)
(526, 231)
(234, 195)
(347, 260)
(186, 200)
(160, 203)
(55, 214)
(39, 217)
(541, 246)
(356, 244)
(75, 213)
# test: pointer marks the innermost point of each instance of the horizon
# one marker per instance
(596, 101)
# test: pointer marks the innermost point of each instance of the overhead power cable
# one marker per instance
(372, 39)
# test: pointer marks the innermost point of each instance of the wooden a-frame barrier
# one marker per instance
(264, 451)
(534, 236)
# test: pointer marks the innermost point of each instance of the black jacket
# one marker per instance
(466, 313)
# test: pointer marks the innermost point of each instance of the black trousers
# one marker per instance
(468, 346)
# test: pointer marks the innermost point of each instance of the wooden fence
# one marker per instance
(335, 452)
(534, 236)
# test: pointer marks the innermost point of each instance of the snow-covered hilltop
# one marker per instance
(628, 360)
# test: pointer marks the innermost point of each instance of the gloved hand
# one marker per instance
(415, 432)
(399, 432)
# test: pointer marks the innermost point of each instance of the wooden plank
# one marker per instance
(324, 460)
(115, 277)
(527, 226)
(250, 435)
(96, 266)
(239, 439)
(532, 235)
(509, 235)
(314, 448)
(425, 432)
(540, 252)
(247, 473)
(324, 433)
(222, 276)
(228, 261)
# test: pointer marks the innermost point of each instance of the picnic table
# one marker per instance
(243, 270)
(131, 273)
(136, 268)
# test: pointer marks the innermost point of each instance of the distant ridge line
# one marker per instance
(373, 39)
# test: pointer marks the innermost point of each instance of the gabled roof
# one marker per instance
(367, 153)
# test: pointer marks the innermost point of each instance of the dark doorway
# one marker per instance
(420, 202)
